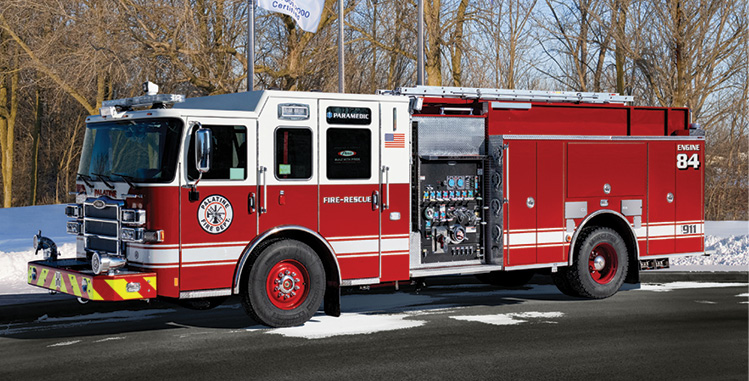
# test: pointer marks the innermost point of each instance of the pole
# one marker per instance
(340, 48)
(420, 47)
(250, 44)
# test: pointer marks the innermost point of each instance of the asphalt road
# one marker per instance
(466, 331)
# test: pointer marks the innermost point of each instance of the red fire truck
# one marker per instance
(285, 197)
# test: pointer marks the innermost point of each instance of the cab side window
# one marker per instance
(293, 153)
(349, 153)
(229, 154)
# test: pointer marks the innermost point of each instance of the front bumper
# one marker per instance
(74, 277)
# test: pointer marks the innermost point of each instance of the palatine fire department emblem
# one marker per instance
(215, 214)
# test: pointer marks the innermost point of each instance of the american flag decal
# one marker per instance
(395, 140)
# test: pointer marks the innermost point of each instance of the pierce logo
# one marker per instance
(215, 214)
(346, 153)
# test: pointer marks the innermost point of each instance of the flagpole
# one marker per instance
(250, 44)
(340, 48)
(420, 47)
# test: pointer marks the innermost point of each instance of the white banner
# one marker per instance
(306, 13)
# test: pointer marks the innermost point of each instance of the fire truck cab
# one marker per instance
(285, 197)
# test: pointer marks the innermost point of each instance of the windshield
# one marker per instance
(139, 150)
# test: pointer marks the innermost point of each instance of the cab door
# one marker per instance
(350, 194)
(287, 170)
(218, 221)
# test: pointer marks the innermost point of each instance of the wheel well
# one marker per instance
(619, 223)
(327, 258)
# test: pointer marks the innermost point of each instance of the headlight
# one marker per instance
(153, 236)
(74, 227)
(133, 217)
(131, 234)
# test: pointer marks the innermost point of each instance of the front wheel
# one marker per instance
(285, 285)
(599, 265)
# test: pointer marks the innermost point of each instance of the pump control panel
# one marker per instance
(450, 209)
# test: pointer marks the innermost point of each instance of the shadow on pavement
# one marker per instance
(60, 316)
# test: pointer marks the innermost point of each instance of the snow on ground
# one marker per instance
(729, 239)
(323, 326)
(511, 318)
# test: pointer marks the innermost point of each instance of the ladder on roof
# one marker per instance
(513, 95)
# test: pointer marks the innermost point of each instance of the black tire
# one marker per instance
(561, 281)
(286, 284)
(515, 278)
(599, 265)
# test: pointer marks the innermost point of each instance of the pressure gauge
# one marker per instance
(429, 213)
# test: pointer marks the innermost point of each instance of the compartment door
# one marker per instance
(661, 208)
(550, 203)
(689, 197)
(520, 183)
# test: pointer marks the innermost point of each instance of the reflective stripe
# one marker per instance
(120, 287)
(356, 246)
(394, 244)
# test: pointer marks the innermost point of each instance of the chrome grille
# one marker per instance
(101, 244)
(102, 225)
(110, 211)
(103, 228)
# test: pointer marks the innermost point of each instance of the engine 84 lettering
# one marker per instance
(683, 161)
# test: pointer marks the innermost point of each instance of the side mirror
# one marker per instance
(203, 149)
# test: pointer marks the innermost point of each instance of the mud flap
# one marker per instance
(332, 300)
(633, 273)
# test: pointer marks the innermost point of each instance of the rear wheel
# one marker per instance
(599, 265)
(286, 284)
(507, 278)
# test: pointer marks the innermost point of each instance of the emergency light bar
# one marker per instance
(144, 100)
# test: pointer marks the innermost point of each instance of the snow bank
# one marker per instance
(729, 239)
(18, 225)
(13, 270)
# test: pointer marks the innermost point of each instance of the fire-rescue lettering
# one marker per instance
(347, 200)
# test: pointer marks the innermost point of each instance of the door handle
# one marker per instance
(261, 174)
(386, 172)
(251, 203)
(375, 200)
